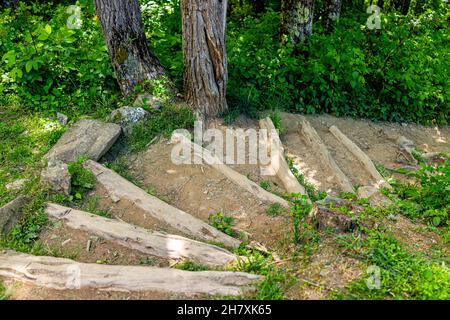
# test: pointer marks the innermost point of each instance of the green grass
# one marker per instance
(162, 122)
(275, 209)
(189, 265)
(265, 184)
(3, 293)
(403, 275)
(276, 281)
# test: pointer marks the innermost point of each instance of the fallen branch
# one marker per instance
(154, 243)
(64, 274)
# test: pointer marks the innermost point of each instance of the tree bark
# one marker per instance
(205, 59)
(333, 12)
(297, 19)
(124, 35)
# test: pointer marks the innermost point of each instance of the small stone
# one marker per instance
(11, 213)
(62, 119)
(66, 242)
(16, 185)
(147, 100)
(128, 115)
(57, 177)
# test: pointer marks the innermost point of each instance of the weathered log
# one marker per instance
(154, 243)
(64, 274)
(120, 188)
(361, 156)
(204, 155)
(316, 143)
(283, 171)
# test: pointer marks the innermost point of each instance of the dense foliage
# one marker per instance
(397, 73)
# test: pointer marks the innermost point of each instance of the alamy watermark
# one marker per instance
(231, 146)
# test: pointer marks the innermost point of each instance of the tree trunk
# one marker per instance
(205, 59)
(124, 35)
(297, 19)
(333, 12)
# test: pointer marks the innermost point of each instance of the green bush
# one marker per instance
(50, 66)
(428, 198)
(397, 73)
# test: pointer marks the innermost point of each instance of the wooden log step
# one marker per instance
(205, 156)
(64, 274)
(120, 188)
(361, 156)
(280, 168)
(154, 243)
(313, 139)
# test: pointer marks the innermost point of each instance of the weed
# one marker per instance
(82, 179)
(222, 222)
(189, 265)
(265, 184)
(300, 208)
(92, 207)
(3, 292)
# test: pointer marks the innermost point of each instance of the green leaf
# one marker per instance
(48, 29)
(28, 66)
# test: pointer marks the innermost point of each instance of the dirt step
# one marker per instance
(350, 165)
(160, 245)
(201, 190)
(120, 189)
(278, 162)
(64, 274)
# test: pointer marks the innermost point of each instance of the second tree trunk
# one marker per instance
(297, 19)
(205, 59)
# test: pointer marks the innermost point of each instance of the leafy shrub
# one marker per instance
(429, 198)
(222, 222)
(50, 66)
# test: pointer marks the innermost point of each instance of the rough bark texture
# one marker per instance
(205, 59)
(333, 12)
(124, 35)
(297, 19)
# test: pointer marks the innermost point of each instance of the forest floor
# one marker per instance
(315, 264)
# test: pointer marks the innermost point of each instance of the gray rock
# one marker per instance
(91, 138)
(57, 177)
(11, 213)
(16, 185)
(126, 116)
(62, 119)
(147, 100)
(405, 143)
(375, 197)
